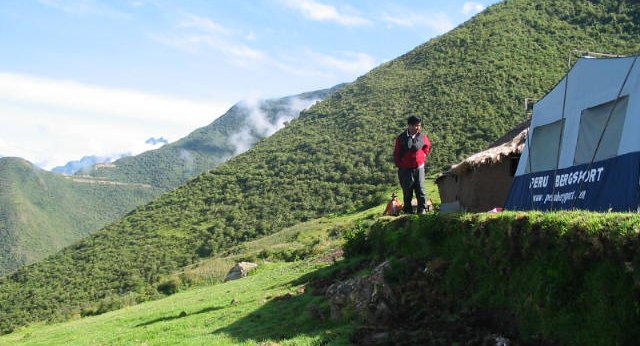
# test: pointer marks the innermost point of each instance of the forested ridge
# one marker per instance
(468, 85)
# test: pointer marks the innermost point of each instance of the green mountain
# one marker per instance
(240, 128)
(41, 212)
(468, 84)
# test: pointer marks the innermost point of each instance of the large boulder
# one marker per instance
(240, 270)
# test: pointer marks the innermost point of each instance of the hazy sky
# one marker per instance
(89, 77)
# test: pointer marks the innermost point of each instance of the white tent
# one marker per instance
(584, 148)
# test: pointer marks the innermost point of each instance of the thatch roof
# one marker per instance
(508, 145)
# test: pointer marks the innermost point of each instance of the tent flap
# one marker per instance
(600, 125)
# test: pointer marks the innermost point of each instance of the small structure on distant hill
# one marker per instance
(482, 181)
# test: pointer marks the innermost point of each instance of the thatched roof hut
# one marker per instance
(482, 181)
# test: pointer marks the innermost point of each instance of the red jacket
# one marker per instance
(411, 153)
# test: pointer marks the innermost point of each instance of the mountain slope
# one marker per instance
(234, 132)
(40, 212)
(468, 84)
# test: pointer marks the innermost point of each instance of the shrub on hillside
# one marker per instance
(169, 286)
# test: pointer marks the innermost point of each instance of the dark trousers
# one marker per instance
(412, 180)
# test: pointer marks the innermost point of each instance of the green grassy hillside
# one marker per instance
(468, 84)
(42, 212)
(207, 316)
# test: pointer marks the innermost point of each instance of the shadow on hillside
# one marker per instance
(180, 315)
(285, 317)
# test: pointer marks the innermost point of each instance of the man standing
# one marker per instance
(410, 154)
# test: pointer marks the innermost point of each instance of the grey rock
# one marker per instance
(240, 270)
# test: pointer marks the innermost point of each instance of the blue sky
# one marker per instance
(89, 77)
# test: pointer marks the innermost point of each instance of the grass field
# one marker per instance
(265, 307)
(269, 307)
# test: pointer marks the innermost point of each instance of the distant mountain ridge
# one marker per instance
(73, 167)
(468, 85)
(156, 141)
(42, 212)
(243, 125)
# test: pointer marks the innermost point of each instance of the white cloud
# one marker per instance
(205, 24)
(53, 122)
(438, 22)
(241, 51)
(236, 53)
(471, 8)
(336, 68)
(199, 33)
(251, 36)
(322, 12)
(82, 97)
(235, 48)
(84, 7)
(258, 125)
(352, 63)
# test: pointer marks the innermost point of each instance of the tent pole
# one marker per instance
(528, 144)
(555, 171)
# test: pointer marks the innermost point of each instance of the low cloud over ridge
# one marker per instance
(54, 122)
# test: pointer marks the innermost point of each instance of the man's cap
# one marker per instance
(414, 119)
